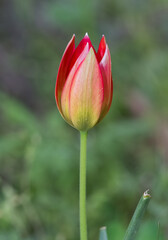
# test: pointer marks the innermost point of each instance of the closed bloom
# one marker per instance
(84, 84)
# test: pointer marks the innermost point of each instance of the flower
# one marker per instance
(84, 84)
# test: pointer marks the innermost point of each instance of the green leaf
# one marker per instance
(137, 217)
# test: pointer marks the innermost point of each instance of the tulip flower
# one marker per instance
(83, 94)
(84, 83)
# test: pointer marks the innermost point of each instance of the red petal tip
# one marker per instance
(86, 36)
(103, 39)
(102, 48)
(73, 36)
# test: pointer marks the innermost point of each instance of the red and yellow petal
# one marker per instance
(86, 93)
(62, 71)
(105, 67)
(65, 96)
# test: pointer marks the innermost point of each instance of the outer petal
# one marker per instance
(79, 50)
(65, 97)
(62, 71)
(86, 95)
(101, 49)
(105, 66)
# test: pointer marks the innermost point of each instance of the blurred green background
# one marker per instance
(39, 152)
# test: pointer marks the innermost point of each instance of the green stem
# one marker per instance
(82, 189)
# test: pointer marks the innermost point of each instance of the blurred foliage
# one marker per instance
(39, 152)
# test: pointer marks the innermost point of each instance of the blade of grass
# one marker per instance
(158, 235)
(137, 217)
(103, 234)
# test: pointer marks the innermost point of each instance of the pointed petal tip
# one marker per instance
(86, 36)
(91, 51)
(73, 36)
(87, 45)
(102, 48)
(103, 39)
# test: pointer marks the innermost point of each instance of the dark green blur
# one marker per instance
(39, 152)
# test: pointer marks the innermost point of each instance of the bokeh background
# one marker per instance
(39, 152)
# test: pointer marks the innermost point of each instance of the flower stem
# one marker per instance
(82, 189)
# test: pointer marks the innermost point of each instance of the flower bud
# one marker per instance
(84, 84)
